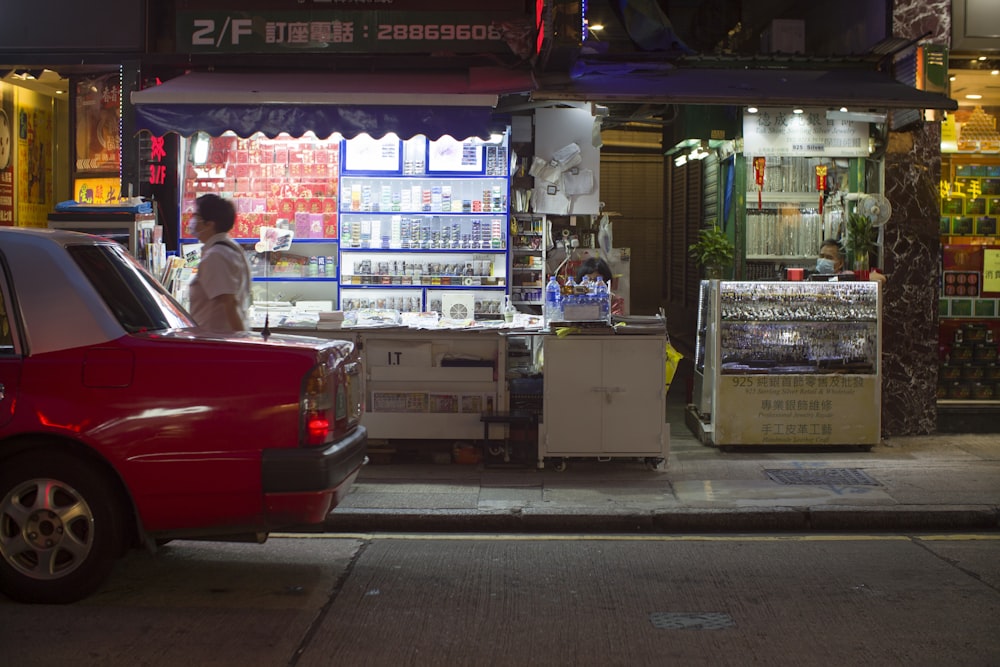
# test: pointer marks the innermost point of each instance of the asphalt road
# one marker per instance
(532, 600)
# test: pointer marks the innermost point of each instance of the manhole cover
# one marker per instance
(824, 476)
(705, 620)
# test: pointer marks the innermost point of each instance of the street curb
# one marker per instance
(825, 518)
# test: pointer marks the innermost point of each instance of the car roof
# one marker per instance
(58, 306)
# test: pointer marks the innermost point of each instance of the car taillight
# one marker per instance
(317, 405)
(331, 403)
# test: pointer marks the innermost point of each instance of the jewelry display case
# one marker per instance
(788, 363)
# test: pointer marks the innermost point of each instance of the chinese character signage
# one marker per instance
(799, 410)
(779, 132)
(343, 31)
(98, 124)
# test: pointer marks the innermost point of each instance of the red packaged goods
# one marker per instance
(287, 208)
(315, 205)
(330, 228)
(962, 257)
(329, 205)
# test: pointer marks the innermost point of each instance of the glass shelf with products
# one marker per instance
(785, 220)
(405, 300)
(313, 261)
(419, 268)
(527, 258)
(395, 231)
(423, 194)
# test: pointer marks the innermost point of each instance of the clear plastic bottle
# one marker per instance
(603, 297)
(509, 310)
(570, 297)
(553, 300)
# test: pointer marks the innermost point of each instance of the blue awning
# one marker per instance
(460, 105)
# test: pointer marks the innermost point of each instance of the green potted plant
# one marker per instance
(861, 241)
(713, 250)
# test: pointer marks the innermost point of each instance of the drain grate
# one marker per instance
(823, 476)
(706, 620)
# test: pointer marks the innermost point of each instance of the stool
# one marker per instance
(513, 418)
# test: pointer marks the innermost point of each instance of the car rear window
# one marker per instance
(138, 301)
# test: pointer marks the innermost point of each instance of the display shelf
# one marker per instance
(431, 225)
(789, 363)
(394, 231)
(527, 260)
(423, 194)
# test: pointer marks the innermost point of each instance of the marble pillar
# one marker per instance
(912, 246)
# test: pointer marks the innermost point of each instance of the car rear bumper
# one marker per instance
(313, 470)
(302, 486)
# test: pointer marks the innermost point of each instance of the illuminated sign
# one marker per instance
(344, 31)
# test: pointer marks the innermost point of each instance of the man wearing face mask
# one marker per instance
(831, 260)
(220, 291)
(830, 265)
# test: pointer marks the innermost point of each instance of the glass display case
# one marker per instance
(789, 363)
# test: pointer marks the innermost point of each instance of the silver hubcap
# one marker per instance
(46, 529)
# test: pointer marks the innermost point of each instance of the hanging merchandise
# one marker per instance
(758, 178)
(821, 184)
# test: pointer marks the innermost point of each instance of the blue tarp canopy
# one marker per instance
(457, 104)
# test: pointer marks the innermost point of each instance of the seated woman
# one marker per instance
(593, 267)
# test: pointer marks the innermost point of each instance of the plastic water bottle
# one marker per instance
(553, 300)
(603, 297)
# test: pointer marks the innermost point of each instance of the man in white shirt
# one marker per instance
(220, 291)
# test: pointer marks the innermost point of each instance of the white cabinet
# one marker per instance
(431, 384)
(604, 396)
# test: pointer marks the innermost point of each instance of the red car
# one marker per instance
(123, 424)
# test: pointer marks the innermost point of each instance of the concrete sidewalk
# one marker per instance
(923, 483)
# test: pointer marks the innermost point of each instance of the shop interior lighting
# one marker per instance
(199, 148)
(973, 96)
(751, 109)
(680, 160)
(796, 110)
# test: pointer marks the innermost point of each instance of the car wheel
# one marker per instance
(61, 528)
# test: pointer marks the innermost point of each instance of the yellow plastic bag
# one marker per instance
(673, 358)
